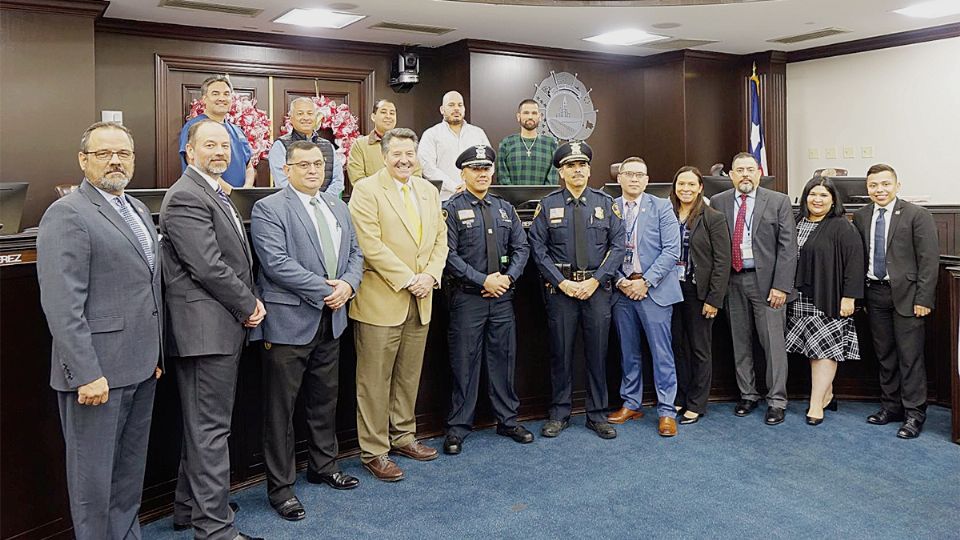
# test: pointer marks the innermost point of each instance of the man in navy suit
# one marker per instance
(310, 266)
(647, 287)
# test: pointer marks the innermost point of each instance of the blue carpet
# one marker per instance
(723, 477)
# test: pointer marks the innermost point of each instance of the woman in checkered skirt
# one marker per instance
(829, 279)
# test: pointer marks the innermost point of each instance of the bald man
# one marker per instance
(442, 143)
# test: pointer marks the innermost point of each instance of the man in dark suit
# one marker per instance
(764, 260)
(211, 304)
(100, 291)
(900, 242)
(310, 267)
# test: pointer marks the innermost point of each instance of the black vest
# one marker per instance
(326, 147)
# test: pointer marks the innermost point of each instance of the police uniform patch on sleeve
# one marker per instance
(537, 211)
(616, 210)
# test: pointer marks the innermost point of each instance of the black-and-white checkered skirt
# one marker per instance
(813, 334)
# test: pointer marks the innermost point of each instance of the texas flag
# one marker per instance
(757, 148)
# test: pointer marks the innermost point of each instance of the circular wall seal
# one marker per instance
(566, 107)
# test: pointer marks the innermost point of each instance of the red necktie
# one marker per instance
(738, 226)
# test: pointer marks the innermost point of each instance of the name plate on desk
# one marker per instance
(22, 257)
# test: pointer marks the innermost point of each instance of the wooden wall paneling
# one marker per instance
(772, 68)
(663, 113)
(953, 307)
(713, 111)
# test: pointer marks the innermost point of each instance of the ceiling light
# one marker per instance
(629, 36)
(932, 9)
(318, 18)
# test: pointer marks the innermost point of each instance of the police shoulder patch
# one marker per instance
(537, 211)
(616, 210)
(444, 212)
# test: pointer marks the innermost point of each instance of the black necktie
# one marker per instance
(580, 232)
(490, 230)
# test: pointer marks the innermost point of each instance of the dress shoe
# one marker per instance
(623, 415)
(744, 407)
(184, 526)
(684, 419)
(910, 429)
(775, 415)
(417, 451)
(832, 406)
(814, 421)
(884, 417)
(291, 509)
(552, 428)
(602, 429)
(383, 468)
(337, 480)
(241, 536)
(667, 427)
(518, 433)
(452, 445)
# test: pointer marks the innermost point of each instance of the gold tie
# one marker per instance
(412, 214)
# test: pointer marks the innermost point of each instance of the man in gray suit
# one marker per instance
(310, 267)
(100, 290)
(211, 304)
(764, 260)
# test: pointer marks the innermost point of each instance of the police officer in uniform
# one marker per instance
(488, 251)
(577, 240)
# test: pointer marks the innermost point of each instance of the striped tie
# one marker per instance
(224, 198)
(137, 227)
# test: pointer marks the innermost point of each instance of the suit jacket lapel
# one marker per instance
(294, 202)
(219, 204)
(645, 204)
(692, 225)
(113, 215)
(758, 207)
(389, 185)
(894, 222)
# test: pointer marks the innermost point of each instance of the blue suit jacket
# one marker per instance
(292, 278)
(658, 248)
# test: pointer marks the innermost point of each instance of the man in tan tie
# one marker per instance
(404, 242)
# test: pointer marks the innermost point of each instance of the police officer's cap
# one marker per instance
(572, 151)
(478, 156)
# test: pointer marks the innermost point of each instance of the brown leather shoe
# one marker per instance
(668, 426)
(623, 415)
(417, 451)
(383, 468)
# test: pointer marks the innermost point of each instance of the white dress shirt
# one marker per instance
(214, 185)
(887, 218)
(439, 149)
(332, 224)
(111, 198)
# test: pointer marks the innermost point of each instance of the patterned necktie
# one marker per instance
(630, 222)
(412, 214)
(224, 198)
(738, 227)
(880, 245)
(137, 227)
(326, 240)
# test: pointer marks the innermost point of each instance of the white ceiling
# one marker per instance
(738, 28)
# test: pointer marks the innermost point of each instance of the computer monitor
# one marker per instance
(657, 189)
(523, 197)
(12, 197)
(713, 185)
(853, 189)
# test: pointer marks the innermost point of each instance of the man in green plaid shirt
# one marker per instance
(526, 158)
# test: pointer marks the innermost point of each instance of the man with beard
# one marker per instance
(404, 244)
(442, 143)
(216, 93)
(526, 158)
(764, 260)
(209, 291)
(366, 157)
(305, 121)
(577, 243)
(100, 291)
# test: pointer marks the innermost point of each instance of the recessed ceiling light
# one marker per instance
(628, 36)
(931, 9)
(318, 18)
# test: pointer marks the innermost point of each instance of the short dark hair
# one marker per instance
(194, 128)
(299, 145)
(743, 155)
(675, 201)
(631, 159)
(397, 133)
(527, 101)
(837, 210)
(380, 103)
(85, 138)
(881, 167)
(214, 79)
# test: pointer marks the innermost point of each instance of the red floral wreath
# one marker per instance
(338, 119)
(254, 122)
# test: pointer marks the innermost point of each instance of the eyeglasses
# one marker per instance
(305, 165)
(742, 171)
(634, 175)
(107, 155)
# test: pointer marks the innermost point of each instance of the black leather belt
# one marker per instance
(878, 283)
(745, 271)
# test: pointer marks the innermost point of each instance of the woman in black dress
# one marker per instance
(830, 278)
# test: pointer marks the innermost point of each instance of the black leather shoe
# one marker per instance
(814, 421)
(833, 405)
(518, 433)
(884, 417)
(452, 445)
(744, 407)
(291, 509)
(241, 536)
(552, 428)
(774, 416)
(910, 429)
(184, 526)
(685, 420)
(603, 429)
(337, 480)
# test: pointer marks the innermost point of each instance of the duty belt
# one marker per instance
(574, 275)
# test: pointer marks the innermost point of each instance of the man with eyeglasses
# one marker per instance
(310, 267)
(99, 269)
(764, 260)
(305, 120)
